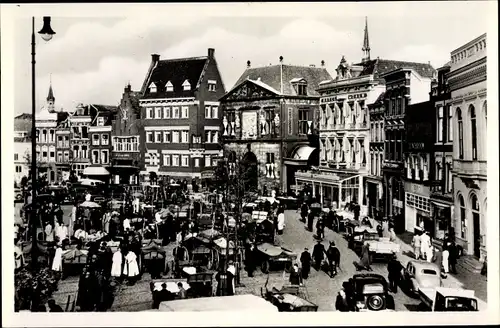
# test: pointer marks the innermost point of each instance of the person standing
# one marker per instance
(281, 221)
(320, 228)
(310, 220)
(318, 255)
(392, 235)
(304, 210)
(333, 255)
(416, 243)
(295, 278)
(250, 258)
(182, 292)
(445, 261)
(49, 233)
(117, 266)
(394, 268)
(131, 269)
(426, 247)
(57, 262)
(305, 261)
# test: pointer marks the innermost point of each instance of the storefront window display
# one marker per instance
(442, 218)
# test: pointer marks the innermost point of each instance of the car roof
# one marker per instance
(359, 276)
(455, 292)
(420, 265)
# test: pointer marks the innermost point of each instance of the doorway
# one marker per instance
(477, 234)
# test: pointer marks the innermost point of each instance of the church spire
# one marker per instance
(366, 43)
(50, 97)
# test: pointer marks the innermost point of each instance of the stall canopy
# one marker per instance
(95, 170)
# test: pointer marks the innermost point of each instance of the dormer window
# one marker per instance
(152, 88)
(100, 121)
(170, 87)
(212, 85)
(186, 85)
(300, 86)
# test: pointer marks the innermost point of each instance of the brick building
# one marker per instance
(467, 81)
(64, 154)
(181, 117)
(80, 121)
(100, 135)
(268, 118)
(127, 136)
(407, 84)
(374, 178)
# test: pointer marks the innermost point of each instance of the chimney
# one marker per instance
(155, 58)
(249, 64)
(211, 52)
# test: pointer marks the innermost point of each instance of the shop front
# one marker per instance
(374, 197)
(418, 209)
(125, 168)
(331, 189)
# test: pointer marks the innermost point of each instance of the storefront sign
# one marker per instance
(397, 203)
(392, 165)
(207, 174)
(349, 97)
(416, 145)
(118, 155)
(357, 96)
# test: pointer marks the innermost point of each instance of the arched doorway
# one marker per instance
(249, 167)
(476, 224)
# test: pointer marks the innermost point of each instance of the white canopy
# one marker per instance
(95, 170)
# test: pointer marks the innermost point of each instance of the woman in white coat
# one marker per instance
(57, 262)
(131, 268)
(117, 266)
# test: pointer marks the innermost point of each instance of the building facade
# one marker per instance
(441, 187)
(80, 122)
(407, 84)
(374, 178)
(22, 146)
(126, 135)
(417, 150)
(467, 81)
(63, 150)
(268, 121)
(181, 117)
(100, 136)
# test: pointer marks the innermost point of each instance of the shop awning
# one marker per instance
(95, 170)
(302, 153)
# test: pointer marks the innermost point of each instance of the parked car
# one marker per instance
(366, 292)
(421, 274)
(442, 299)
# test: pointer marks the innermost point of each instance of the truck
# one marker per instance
(443, 299)
(382, 248)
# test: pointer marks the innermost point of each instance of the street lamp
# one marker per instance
(46, 33)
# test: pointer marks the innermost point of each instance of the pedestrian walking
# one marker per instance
(304, 210)
(310, 221)
(426, 246)
(305, 261)
(452, 258)
(333, 256)
(445, 262)
(250, 258)
(57, 261)
(318, 255)
(437, 257)
(416, 244)
(394, 268)
(320, 228)
(295, 278)
(131, 268)
(281, 221)
(117, 266)
(49, 233)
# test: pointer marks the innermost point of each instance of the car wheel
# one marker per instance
(265, 267)
(375, 303)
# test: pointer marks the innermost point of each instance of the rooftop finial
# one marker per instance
(366, 43)
(281, 59)
(249, 64)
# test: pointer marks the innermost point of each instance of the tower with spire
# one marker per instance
(50, 98)
(366, 43)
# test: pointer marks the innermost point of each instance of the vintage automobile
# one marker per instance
(421, 274)
(358, 236)
(382, 249)
(290, 298)
(366, 292)
(442, 299)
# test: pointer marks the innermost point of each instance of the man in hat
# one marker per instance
(305, 261)
(333, 255)
(394, 268)
(318, 255)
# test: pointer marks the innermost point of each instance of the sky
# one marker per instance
(94, 55)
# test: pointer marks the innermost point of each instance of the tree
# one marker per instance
(33, 288)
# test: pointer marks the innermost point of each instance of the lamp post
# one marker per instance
(46, 33)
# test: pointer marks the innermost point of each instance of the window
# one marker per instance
(158, 137)
(185, 160)
(175, 136)
(166, 112)
(450, 123)
(215, 112)
(214, 161)
(166, 160)
(19, 169)
(104, 157)
(208, 112)
(95, 157)
(66, 141)
(301, 89)
(196, 139)
(449, 179)
(439, 171)
(473, 131)
(186, 85)
(158, 112)
(170, 87)
(215, 136)
(175, 112)
(372, 131)
(152, 88)
(167, 137)
(104, 140)
(100, 121)
(208, 136)
(460, 134)
(16, 156)
(212, 86)
(185, 137)
(59, 141)
(185, 112)
(196, 162)
(149, 137)
(85, 132)
(149, 112)
(208, 161)
(52, 155)
(303, 121)
(44, 136)
(84, 152)
(76, 151)
(95, 139)
(175, 160)
(37, 135)
(52, 135)
(440, 124)
(462, 216)
(66, 156)
(399, 105)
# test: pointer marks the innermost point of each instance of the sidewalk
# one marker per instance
(464, 279)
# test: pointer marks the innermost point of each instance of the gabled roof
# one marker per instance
(279, 77)
(177, 71)
(379, 101)
(378, 67)
(22, 122)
